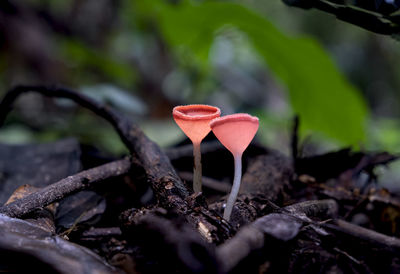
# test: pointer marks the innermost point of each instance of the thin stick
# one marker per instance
(66, 186)
(208, 182)
(235, 188)
(175, 153)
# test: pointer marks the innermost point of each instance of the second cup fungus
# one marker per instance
(235, 132)
(194, 120)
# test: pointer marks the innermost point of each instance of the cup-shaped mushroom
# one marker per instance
(194, 120)
(235, 131)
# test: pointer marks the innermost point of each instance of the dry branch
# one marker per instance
(175, 153)
(363, 234)
(57, 191)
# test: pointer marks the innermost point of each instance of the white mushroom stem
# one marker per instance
(235, 188)
(197, 168)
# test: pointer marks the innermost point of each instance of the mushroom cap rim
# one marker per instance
(177, 111)
(237, 117)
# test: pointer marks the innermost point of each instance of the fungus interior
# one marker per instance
(235, 132)
(194, 121)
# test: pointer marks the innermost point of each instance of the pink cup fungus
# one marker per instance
(235, 132)
(194, 121)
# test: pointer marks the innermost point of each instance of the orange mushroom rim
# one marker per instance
(237, 117)
(196, 112)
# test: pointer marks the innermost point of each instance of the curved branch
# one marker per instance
(159, 171)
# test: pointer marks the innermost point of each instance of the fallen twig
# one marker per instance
(355, 231)
(208, 182)
(187, 150)
(101, 232)
(65, 187)
(322, 209)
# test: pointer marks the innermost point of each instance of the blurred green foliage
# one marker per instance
(319, 93)
(87, 58)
